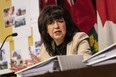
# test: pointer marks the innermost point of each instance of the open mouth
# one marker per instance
(57, 32)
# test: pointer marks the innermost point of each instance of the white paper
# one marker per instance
(22, 46)
(62, 62)
(6, 58)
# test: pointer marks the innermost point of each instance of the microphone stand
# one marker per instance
(4, 41)
(14, 34)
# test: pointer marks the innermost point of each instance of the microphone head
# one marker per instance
(14, 34)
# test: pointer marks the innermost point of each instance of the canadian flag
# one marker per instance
(43, 3)
(106, 20)
(84, 15)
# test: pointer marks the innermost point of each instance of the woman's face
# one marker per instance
(57, 30)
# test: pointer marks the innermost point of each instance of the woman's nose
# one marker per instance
(56, 25)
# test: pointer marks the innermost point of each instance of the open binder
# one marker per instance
(105, 56)
(56, 63)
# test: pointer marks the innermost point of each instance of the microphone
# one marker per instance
(13, 34)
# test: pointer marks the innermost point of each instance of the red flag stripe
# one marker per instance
(106, 10)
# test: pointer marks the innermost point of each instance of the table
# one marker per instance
(96, 71)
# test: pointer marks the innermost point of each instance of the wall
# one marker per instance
(18, 16)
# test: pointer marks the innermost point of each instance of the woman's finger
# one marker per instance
(35, 57)
(28, 62)
(13, 65)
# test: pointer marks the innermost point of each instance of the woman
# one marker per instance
(60, 35)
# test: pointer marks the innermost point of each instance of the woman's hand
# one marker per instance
(25, 64)
(15, 67)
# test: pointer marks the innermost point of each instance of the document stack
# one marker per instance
(103, 57)
(56, 63)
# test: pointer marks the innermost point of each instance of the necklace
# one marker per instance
(60, 50)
